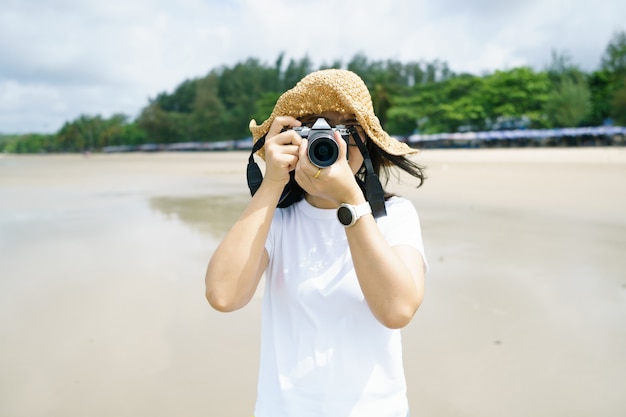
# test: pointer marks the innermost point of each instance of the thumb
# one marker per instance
(343, 146)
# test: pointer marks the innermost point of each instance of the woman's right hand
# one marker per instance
(281, 149)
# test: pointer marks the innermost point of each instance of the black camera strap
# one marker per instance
(374, 192)
(253, 172)
(255, 177)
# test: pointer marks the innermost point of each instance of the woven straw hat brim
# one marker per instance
(333, 90)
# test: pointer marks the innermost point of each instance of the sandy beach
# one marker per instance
(102, 309)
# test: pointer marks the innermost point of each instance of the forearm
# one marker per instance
(391, 279)
(236, 266)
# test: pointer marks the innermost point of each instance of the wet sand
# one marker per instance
(102, 308)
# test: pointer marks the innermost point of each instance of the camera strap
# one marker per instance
(255, 177)
(253, 172)
(374, 192)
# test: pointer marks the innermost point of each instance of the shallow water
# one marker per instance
(211, 215)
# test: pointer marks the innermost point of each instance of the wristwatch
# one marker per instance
(349, 214)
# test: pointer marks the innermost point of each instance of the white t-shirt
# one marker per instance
(323, 353)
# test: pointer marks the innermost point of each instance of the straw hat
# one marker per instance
(333, 90)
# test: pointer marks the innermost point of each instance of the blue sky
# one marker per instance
(63, 58)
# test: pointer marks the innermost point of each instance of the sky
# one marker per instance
(60, 59)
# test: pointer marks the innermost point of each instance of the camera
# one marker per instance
(323, 150)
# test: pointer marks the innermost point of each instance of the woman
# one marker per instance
(337, 290)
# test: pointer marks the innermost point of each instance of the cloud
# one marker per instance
(64, 58)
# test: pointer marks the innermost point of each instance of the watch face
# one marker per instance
(344, 215)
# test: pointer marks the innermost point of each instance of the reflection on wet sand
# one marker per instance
(213, 215)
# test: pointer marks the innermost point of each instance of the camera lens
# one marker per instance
(323, 151)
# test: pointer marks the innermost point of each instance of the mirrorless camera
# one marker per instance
(323, 150)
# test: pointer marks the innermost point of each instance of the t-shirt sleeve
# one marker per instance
(401, 226)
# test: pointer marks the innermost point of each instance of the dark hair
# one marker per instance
(382, 163)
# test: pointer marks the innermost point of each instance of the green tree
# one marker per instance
(601, 93)
(30, 143)
(569, 101)
(239, 88)
(181, 100)
(614, 64)
(295, 71)
(614, 57)
(131, 134)
(359, 64)
(207, 119)
(619, 106)
(6, 142)
(82, 134)
(568, 104)
(264, 106)
(111, 132)
(561, 68)
(437, 71)
(519, 92)
(444, 106)
(91, 133)
(160, 126)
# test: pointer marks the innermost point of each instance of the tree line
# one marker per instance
(425, 97)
